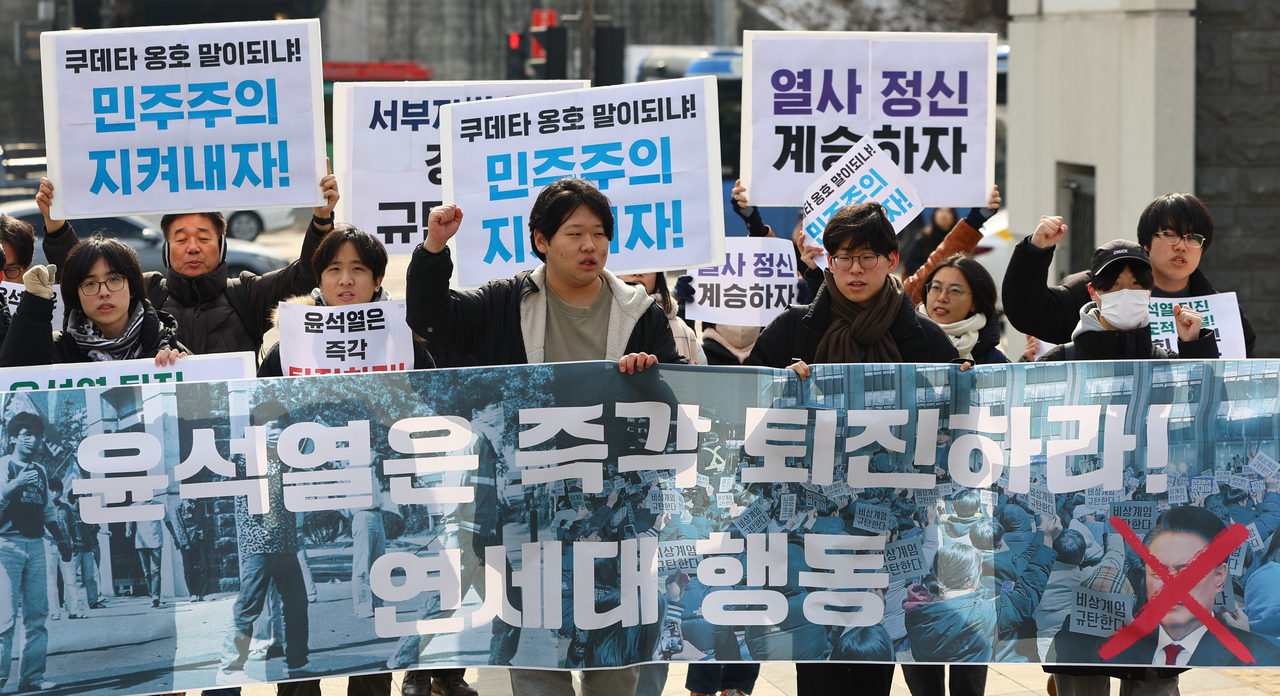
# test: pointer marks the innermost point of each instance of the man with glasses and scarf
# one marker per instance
(1175, 230)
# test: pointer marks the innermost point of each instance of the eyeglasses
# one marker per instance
(13, 272)
(113, 283)
(844, 262)
(954, 292)
(1195, 241)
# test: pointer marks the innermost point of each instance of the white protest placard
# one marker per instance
(755, 283)
(1256, 542)
(1178, 494)
(905, 559)
(787, 507)
(13, 293)
(1042, 501)
(872, 517)
(181, 118)
(724, 501)
(1235, 562)
(753, 520)
(661, 501)
(1264, 466)
(679, 556)
(1222, 476)
(944, 489)
(1203, 485)
(988, 499)
(1239, 482)
(1096, 497)
(864, 173)
(1257, 487)
(386, 149)
(367, 337)
(925, 497)
(652, 148)
(1099, 613)
(928, 99)
(703, 480)
(1221, 315)
(1139, 515)
(122, 373)
(726, 483)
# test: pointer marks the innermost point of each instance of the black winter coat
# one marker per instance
(485, 323)
(1051, 313)
(32, 340)
(796, 333)
(1134, 344)
(206, 320)
(972, 627)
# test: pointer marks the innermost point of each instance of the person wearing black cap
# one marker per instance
(1175, 230)
(1115, 325)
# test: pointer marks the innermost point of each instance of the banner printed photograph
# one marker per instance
(926, 99)
(680, 514)
(174, 119)
(652, 148)
(386, 149)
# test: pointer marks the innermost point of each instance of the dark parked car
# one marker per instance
(146, 239)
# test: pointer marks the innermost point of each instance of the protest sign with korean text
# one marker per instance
(928, 99)
(755, 283)
(864, 173)
(652, 148)
(13, 294)
(386, 149)
(180, 118)
(1221, 316)
(366, 337)
(123, 373)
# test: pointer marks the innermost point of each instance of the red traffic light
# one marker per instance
(514, 41)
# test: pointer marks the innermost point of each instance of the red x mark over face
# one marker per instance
(1177, 590)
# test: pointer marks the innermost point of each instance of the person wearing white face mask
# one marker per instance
(1115, 326)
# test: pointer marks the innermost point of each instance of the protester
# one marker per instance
(193, 535)
(725, 344)
(148, 541)
(18, 241)
(586, 313)
(860, 315)
(949, 618)
(1175, 230)
(267, 544)
(1116, 325)
(963, 238)
(941, 221)
(68, 528)
(106, 316)
(685, 337)
(26, 511)
(960, 296)
(214, 313)
(349, 264)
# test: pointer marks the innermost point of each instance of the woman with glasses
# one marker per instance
(106, 314)
(1175, 230)
(961, 297)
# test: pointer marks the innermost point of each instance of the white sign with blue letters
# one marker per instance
(181, 118)
(386, 149)
(652, 148)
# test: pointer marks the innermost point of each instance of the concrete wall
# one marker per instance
(1102, 83)
(1238, 153)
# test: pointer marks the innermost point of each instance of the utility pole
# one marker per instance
(586, 28)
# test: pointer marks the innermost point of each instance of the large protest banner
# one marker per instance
(683, 513)
(193, 368)
(653, 148)
(181, 118)
(927, 99)
(386, 149)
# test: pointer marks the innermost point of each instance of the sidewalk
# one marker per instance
(780, 680)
